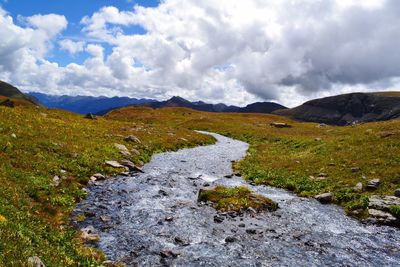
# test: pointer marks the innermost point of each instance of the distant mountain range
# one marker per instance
(86, 104)
(102, 105)
(348, 108)
(338, 110)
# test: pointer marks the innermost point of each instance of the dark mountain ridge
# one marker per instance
(347, 109)
(86, 104)
(102, 105)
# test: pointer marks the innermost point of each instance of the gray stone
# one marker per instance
(373, 184)
(358, 187)
(180, 241)
(56, 180)
(135, 152)
(105, 218)
(322, 175)
(133, 139)
(355, 169)
(114, 164)
(383, 202)
(35, 261)
(280, 125)
(324, 198)
(98, 177)
(131, 166)
(382, 217)
(168, 254)
(169, 219)
(218, 218)
(122, 149)
(251, 210)
(230, 239)
(88, 234)
(251, 231)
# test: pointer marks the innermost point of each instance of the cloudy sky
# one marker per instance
(232, 51)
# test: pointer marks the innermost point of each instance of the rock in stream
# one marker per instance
(154, 219)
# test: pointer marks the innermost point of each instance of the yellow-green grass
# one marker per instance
(236, 199)
(35, 145)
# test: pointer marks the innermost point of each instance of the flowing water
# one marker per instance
(158, 211)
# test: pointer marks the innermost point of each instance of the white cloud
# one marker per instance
(218, 51)
(71, 46)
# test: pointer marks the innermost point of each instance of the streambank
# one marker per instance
(153, 218)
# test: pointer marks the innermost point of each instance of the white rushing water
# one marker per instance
(158, 211)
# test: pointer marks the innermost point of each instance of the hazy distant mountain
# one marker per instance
(348, 108)
(10, 91)
(86, 104)
(260, 107)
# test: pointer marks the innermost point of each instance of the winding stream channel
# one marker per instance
(157, 211)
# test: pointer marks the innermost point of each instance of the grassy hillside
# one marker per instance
(9, 91)
(35, 145)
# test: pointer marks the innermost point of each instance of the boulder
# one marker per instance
(397, 192)
(105, 218)
(35, 261)
(8, 103)
(122, 149)
(382, 217)
(131, 166)
(383, 202)
(88, 234)
(324, 198)
(168, 254)
(56, 181)
(280, 125)
(251, 231)
(181, 241)
(98, 177)
(355, 169)
(114, 164)
(134, 151)
(132, 138)
(90, 116)
(169, 219)
(358, 187)
(373, 184)
(218, 218)
(230, 239)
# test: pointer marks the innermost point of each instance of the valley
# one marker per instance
(308, 159)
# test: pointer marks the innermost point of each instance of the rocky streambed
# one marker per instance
(154, 219)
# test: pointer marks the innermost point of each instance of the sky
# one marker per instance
(229, 51)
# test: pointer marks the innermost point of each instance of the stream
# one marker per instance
(154, 219)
